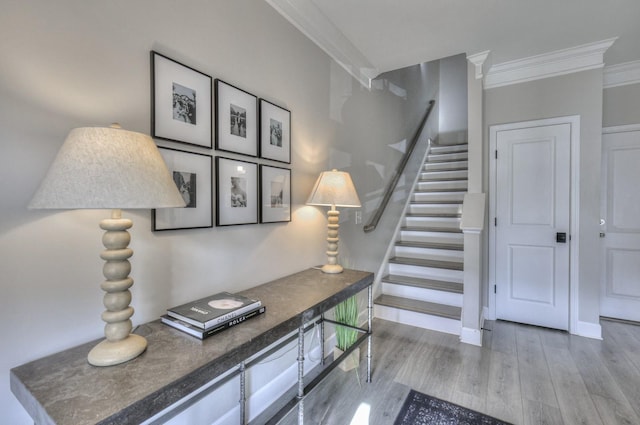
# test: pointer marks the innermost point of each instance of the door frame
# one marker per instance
(626, 128)
(574, 202)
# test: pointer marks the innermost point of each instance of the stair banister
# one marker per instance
(373, 223)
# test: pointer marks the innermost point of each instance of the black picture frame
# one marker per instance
(181, 102)
(192, 173)
(236, 192)
(236, 119)
(275, 132)
(275, 194)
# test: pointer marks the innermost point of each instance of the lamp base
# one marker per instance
(109, 353)
(332, 268)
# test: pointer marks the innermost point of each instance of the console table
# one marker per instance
(64, 388)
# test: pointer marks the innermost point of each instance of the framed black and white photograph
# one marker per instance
(193, 176)
(180, 102)
(236, 120)
(275, 132)
(275, 194)
(236, 192)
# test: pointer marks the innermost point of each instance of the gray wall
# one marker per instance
(72, 63)
(574, 94)
(453, 122)
(621, 105)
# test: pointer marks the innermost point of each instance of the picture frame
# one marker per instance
(275, 194)
(181, 106)
(275, 132)
(192, 173)
(236, 192)
(236, 119)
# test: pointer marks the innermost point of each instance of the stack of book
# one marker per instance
(210, 315)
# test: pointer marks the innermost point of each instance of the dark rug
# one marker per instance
(422, 409)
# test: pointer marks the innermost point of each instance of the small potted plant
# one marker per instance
(347, 312)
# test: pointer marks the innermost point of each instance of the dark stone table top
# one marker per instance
(64, 388)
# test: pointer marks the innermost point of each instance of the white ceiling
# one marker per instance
(392, 34)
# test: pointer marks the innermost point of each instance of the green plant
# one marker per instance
(346, 312)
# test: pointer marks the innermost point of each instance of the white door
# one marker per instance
(532, 225)
(620, 294)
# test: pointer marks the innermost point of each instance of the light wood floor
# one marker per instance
(522, 374)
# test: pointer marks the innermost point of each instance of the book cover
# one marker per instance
(214, 309)
(205, 333)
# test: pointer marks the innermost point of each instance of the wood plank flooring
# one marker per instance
(522, 374)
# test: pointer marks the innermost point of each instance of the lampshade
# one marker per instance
(100, 167)
(334, 188)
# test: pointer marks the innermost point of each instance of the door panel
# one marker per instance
(532, 206)
(620, 294)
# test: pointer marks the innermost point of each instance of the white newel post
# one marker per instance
(473, 207)
(472, 225)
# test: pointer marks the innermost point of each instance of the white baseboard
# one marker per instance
(485, 315)
(589, 330)
(471, 336)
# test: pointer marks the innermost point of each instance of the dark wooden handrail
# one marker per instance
(373, 223)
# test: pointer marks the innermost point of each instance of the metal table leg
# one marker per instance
(322, 339)
(301, 375)
(369, 320)
(243, 394)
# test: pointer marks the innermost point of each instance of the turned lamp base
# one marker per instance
(109, 353)
(333, 219)
(121, 345)
(332, 268)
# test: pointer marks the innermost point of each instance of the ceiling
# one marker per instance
(393, 34)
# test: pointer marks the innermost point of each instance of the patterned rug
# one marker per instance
(421, 409)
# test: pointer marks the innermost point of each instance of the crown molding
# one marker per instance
(622, 74)
(309, 19)
(552, 64)
(478, 60)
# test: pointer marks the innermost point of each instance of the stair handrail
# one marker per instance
(373, 223)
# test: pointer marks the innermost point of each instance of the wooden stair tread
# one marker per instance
(431, 229)
(420, 262)
(424, 307)
(433, 215)
(460, 167)
(453, 191)
(431, 160)
(439, 179)
(432, 245)
(455, 203)
(443, 190)
(439, 285)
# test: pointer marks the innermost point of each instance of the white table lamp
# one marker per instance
(110, 168)
(333, 189)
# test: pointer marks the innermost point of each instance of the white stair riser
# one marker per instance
(454, 156)
(425, 321)
(426, 272)
(423, 294)
(439, 222)
(445, 165)
(443, 185)
(438, 196)
(439, 175)
(437, 237)
(429, 253)
(448, 149)
(435, 209)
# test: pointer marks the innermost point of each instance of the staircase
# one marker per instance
(423, 286)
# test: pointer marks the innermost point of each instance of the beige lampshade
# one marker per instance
(107, 168)
(334, 188)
